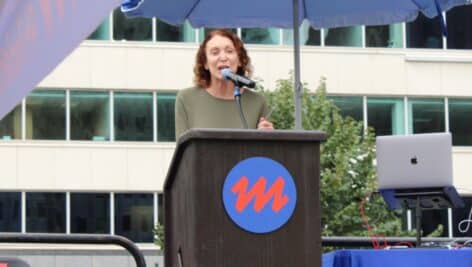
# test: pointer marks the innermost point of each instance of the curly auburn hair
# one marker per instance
(202, 77)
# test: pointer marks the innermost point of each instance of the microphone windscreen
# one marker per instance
(226, 72)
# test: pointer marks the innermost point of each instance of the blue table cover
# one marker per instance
(421, 257)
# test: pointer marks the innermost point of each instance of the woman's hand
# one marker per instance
(265, 124)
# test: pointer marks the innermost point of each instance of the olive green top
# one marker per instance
(196, 108)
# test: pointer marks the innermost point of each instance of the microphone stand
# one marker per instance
(237, 97)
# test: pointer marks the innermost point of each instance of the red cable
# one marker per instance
(374, 238)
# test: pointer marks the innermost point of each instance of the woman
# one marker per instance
(210, 104)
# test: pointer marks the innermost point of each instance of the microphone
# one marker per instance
(237, 79)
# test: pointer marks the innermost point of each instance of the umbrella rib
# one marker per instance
(191, 9)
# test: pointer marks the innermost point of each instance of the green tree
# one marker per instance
(347, 170)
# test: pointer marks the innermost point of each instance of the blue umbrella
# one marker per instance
(288, 14)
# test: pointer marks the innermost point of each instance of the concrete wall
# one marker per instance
(84, 166)
(364, 71)
(78, 256)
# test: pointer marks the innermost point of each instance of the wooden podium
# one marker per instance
(198, 229)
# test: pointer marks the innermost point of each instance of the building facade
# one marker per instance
(88, 150)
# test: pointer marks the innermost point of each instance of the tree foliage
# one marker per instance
(347, 156)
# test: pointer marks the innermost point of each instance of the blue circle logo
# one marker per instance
(259, 195)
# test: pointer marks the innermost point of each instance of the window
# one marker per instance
(169, 33)
(45, 213)
(90, 213)
(424, 33)
(425, 115)
(133, 116)
(386, 115)
(89, 115)
(308, 35)
(10, 125)
(46, 115)
(134, 216)
(102, 32)
(166, 117)
(461, 224)
(260, 36)
(10, 212)
(343, 36)
(349, 106)
(384, 36)
(459, 27)
(131, 29)
(205, 31)
(160, 203)
(459, 121)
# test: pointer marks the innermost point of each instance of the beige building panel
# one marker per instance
(456, 79)
(72, 72)
(73, 168)
(462, 159)
(148, 168)
(108, 67)
(8, 167)
(134, 65)
(109, 168)
(423, 78)
(142, 68)
(36, 168)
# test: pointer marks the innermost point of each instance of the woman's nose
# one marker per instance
(223, 56)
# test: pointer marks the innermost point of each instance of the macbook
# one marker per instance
(414, 161)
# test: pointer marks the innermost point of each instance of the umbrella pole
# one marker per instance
(296, 73)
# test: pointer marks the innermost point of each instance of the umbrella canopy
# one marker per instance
(288, 14)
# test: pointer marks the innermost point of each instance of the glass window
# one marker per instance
(260, 36)
(425, 115)
(459, 27)
(45, 212)
(166, 117)
(168, 33)
(10, 212)
(343, 36)
(460, 124)
(10, 125)
(89, 116)
(134, 216)
(349, 106)
(102, 32)
(46, 115)
(133, 116)
(90, 213)
(386, 115)
(160, 203)
(308, 35)
(461, 224)
(131, 29)
(205, 31)
(424, 33)
(384, 36)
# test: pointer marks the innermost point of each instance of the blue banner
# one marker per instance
(36, 35)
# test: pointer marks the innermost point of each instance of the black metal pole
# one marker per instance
(77, 239)
(297, 87)
(418, 221)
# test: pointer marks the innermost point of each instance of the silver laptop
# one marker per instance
(414, 161)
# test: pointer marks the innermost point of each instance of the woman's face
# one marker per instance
(220, 53)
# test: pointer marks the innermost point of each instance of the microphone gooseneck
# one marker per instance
(238, 80)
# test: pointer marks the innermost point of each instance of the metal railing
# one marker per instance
(77, 239)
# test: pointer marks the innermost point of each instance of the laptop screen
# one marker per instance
(414, 161)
